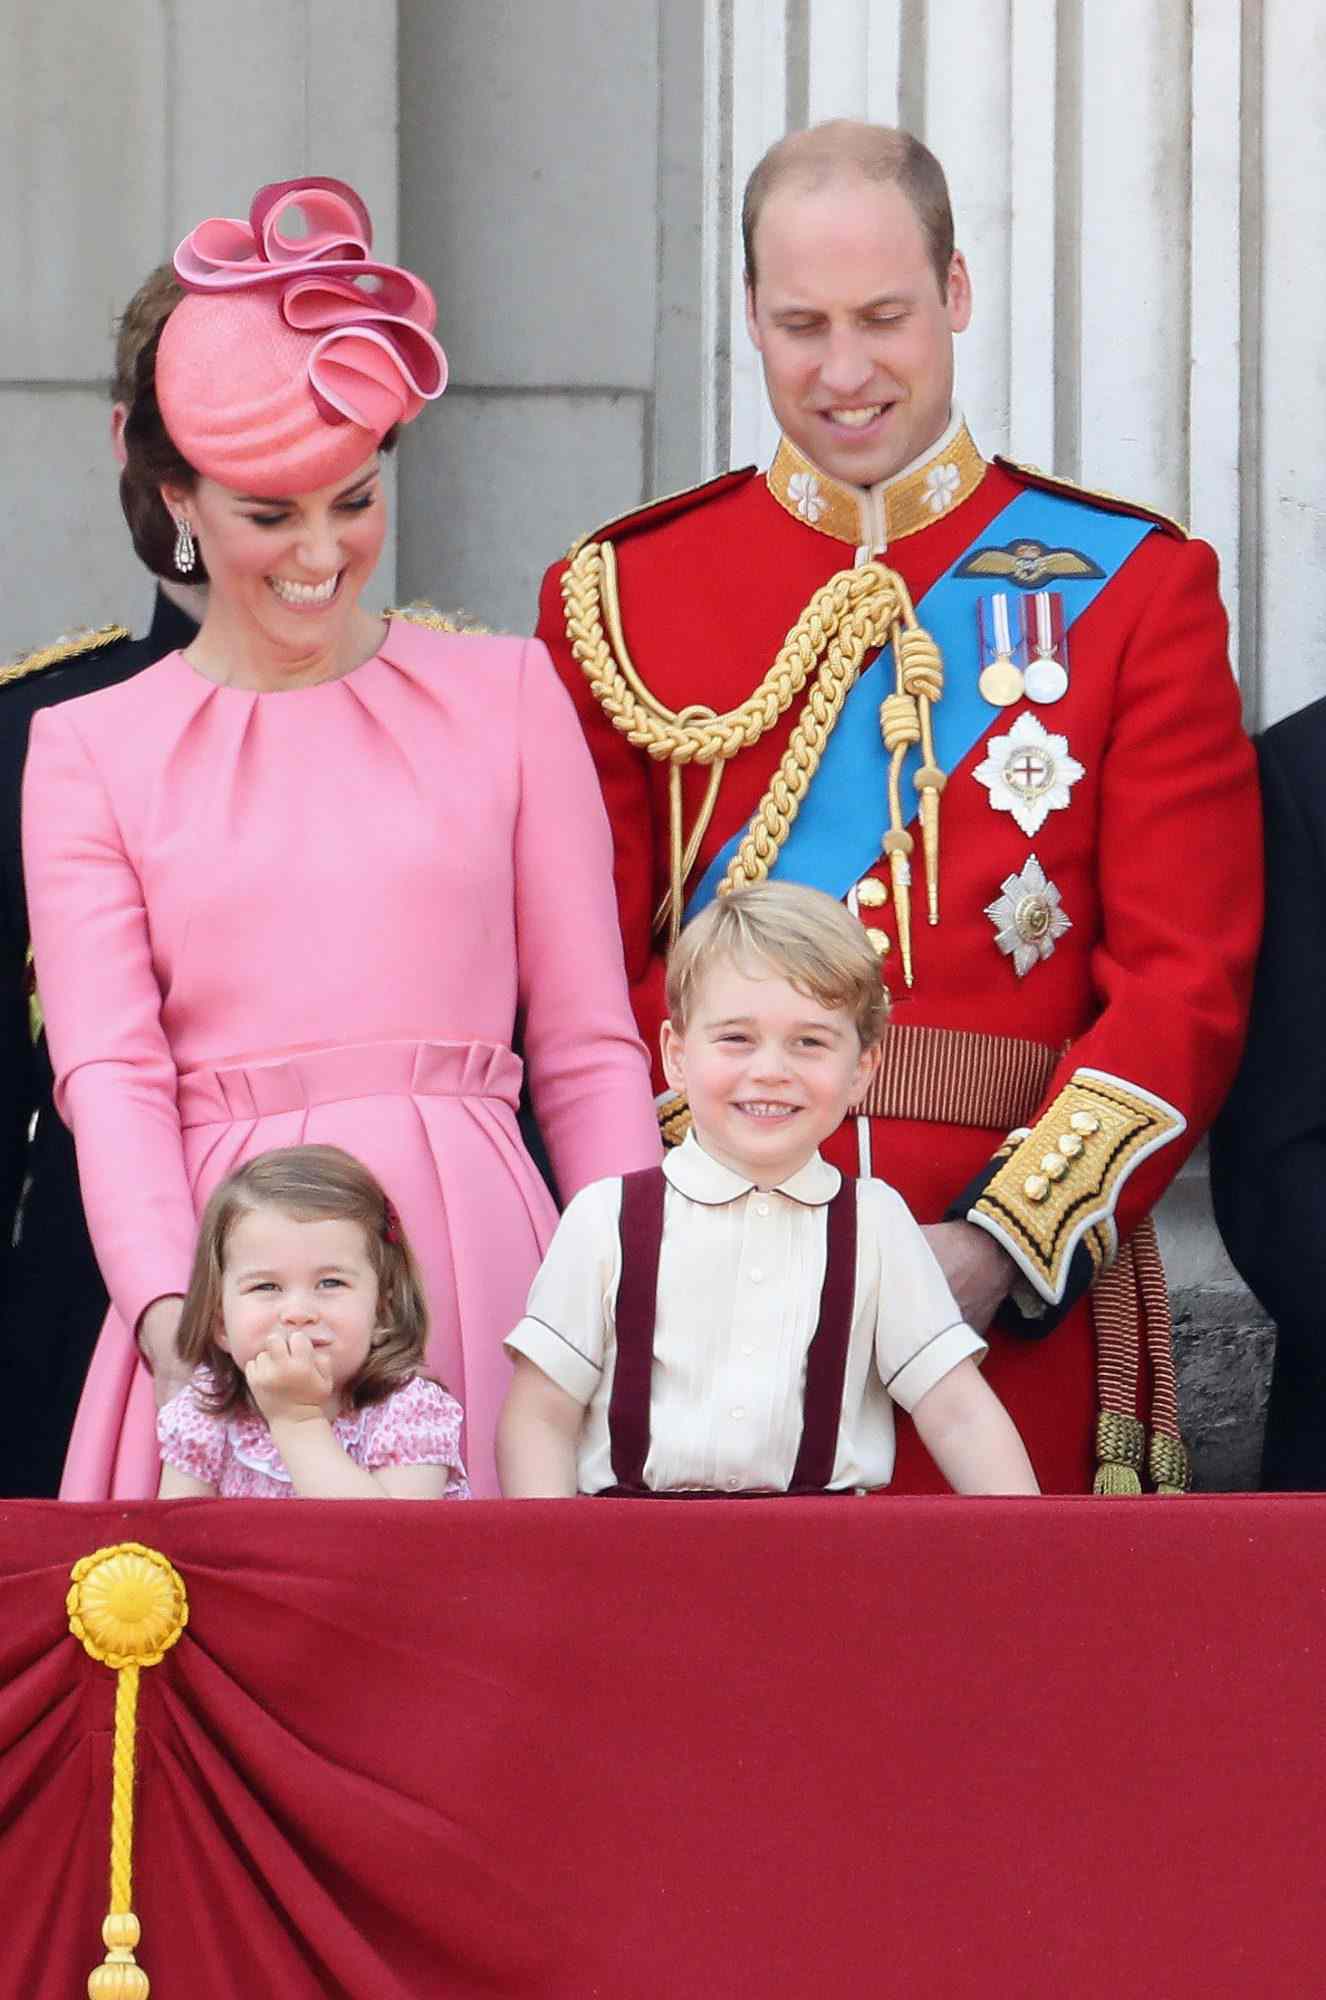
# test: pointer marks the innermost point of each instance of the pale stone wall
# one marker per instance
(550, 187)
(120, 127)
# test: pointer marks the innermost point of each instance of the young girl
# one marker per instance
(305, 1325)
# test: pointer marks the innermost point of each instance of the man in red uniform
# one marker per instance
(993, 713)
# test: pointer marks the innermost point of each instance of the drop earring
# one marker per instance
(186, 550)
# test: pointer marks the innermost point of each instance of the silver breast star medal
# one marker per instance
(1028, 773)
(1046, 675)
(1001, 681)
(1027, 917)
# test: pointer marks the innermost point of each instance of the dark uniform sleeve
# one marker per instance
(18, 1085)
(1268, 1152)
(51, 1295)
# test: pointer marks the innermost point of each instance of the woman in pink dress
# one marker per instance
(307, 879)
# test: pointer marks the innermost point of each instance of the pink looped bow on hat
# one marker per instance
(377, 361)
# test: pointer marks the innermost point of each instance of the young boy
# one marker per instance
(742, 1319)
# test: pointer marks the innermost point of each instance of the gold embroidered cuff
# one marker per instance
(674, 1118)
(1058, 1188)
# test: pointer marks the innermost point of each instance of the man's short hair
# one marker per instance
(146, 312)
(800, 934)
(840, 148)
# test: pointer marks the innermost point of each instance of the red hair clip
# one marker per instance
(391, 1223)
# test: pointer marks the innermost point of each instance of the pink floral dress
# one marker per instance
(416, 1425)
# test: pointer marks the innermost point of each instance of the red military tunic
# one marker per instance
(1156, 859)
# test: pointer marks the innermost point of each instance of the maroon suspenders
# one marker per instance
(628, 1406)
(826, 1359)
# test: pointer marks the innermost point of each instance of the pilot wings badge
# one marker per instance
(1028, 564)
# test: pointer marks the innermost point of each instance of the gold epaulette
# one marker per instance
(72, 646)
(1095, 496)
(420, 612)
(663, 508)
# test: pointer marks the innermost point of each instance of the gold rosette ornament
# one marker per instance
(127, 1605)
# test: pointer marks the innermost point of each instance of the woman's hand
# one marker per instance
(156, 1343)
(289, 1380)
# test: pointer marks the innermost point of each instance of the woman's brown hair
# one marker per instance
(151, 462)
(311, 1184)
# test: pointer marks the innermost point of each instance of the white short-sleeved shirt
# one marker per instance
(740, 1273)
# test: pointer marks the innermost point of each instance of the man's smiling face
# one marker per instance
(853, 329)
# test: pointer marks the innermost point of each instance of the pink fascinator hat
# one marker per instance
(292, 355)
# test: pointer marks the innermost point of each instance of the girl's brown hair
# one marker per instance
(311, 1184)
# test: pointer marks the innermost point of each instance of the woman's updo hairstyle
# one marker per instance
(152, 461)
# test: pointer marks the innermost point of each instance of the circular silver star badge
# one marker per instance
(1027, 917)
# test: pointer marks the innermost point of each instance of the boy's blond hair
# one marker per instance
(800, 933)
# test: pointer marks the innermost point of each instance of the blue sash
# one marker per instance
(836, 835)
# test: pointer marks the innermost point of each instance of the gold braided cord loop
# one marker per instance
(856, 611)
(128, 1607)
(695, 735)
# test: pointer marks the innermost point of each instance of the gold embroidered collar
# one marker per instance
(874, 516)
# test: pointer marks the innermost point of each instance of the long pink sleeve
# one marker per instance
(589, 1073)
(114, 1073)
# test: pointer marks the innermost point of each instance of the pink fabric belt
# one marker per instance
(242, 1091)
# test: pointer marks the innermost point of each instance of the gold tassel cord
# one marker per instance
(855, 612)
(1120, 1437)
(922, 677)
(1169, 1465)
(900, 726)
(127, 1606)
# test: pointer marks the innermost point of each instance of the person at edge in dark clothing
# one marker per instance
(52, 1299)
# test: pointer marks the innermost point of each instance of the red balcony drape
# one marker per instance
(674, 1751)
